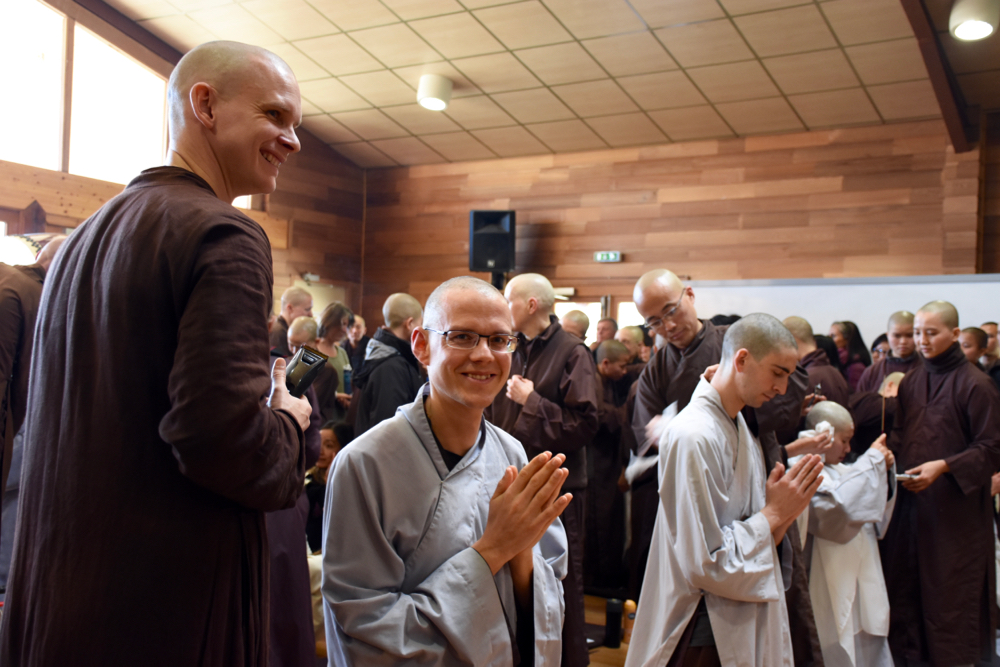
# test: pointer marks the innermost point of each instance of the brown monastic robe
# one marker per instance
(938, 552)
(151, 454)
(866, 405)
(279, 337)
(821, 372)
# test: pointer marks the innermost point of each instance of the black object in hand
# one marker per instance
(303, 369)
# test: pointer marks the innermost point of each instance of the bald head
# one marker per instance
(944, 310)
(576, 322)
(801, 329)
(901, 318)
(296, 302)
(533, 286)
(835, 414)
(434, 315)
(48, 253)
(613, 351)
(401, 311)
(759, 334)
(303, 326)
(657, 280)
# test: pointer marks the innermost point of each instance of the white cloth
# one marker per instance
(711, 539)
(849, 512)
(401, 581)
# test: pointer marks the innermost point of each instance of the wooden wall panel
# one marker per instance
(991, 194)
(870, 201)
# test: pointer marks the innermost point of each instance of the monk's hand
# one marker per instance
(788, 493)
(808, 402)
(710, 372)
(995, 484)
(880, 446)
(926, 474)
(343, 399)
(519, 388)
(812, 444)
(522, 508)
(280, 399)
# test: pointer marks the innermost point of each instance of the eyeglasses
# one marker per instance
(469, 340)
(667, 314)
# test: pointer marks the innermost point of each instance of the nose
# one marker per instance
(481, 350)
(290, 141)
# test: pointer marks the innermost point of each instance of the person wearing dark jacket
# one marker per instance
(833, 385)
(390, 376)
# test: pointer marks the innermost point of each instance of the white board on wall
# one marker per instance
(867, 302)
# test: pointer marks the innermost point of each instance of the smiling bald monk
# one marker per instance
(156, 437)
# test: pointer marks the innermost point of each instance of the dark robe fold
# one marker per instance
(866, 404)
(821, 372)
(151, 454)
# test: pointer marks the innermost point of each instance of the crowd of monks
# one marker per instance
(769, 495)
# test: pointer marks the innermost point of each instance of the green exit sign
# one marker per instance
(608, 256)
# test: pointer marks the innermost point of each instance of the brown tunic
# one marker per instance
(151, 454)
(871, 379)
(938, 552)
(831, 381)
(866, 406)
(279, 337)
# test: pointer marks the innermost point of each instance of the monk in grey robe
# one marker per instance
(442, 542)
(152, 446)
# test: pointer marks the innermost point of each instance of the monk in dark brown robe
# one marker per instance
(156, 438)
(938, 552)
(296, 302)
(833, 386)
(671, 376)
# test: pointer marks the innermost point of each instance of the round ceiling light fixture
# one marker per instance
(974, 19)
(434, 92)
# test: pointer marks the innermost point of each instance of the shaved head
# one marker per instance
(835, 414)
(400, 307)
(611, 350)
(760, 335)
(576, 322)
(902, 318)
(303, 327)
(657, 279)
(947, 312)
(295, 296)
(436, 302)
(801, 329)
(533, 285)
(631, 333)
(48, 253)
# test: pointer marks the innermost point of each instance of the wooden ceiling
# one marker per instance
(551, 76)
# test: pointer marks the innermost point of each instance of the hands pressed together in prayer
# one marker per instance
(280, 399)
(788, 493)
(519, 388)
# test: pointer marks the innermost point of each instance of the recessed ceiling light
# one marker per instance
(974, 19)
(434, 92)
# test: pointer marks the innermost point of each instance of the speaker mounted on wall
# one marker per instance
(491, 242)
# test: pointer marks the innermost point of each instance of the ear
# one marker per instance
(955, 333)
(532, 305)
(740, 360)
(203, 99)
(420, 345)
(689, 292)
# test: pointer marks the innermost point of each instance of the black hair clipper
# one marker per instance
(303, 369)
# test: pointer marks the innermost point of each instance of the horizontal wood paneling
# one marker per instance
(868, 201)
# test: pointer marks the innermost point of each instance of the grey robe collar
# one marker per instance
(416, 414)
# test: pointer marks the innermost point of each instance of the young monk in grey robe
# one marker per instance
(152, 452)
(442, 542)
(714, 586)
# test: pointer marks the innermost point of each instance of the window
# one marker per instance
(31, 79)
(628, 315)
(593, 311)
(117, 125)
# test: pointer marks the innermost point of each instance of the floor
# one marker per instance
(603, 656)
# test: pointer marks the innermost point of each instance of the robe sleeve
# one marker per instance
(842, 506)
(566, 428)
(650, 398)
(551, 560)
(224, 436)
(11, 326)
(734, 561)
(973, 467)
(456, 609)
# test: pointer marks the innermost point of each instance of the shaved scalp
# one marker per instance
(303, 325)
(528, 285)
(759, 334)
(400, 307)
(833, 413)
(225, 66)
(893, 378)
(633, 333)
(901, 318)
(611, 350)
(661, 279)
(48, 253)
(800, 328)
(294, 296)
(433, 314)
(579, 319)
(982, 338)
(947, 312)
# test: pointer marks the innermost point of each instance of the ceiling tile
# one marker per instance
(886, 62)
(862, 21)
(370, 124)
(737, 7)
(496, 72)
(691, 123)
(408, 150)
(511, 141)
(835, 108)
(533, 106)
(662, 90)
(457, 35)
(419, 120)
(381, 88)
(144, 9)
(418, 9)
(292, 19)
(595, 98)
(705, 43)
(304, 68)
(636, 53)
(760, 116)
(786, 31)
(354, 15)
(734, 81)
(328, 129)
(396, 45)
(913, 99)
(179, 32)
(561, 63)
(331, 95)
(478, 4)
(474, 113)
(195, 5)
(338, 54)
(235, 23)
(967, 57)
(458, 146)
(981, 88)
(567, 135)
(461, 86)
(365, 155)
(810, 72)
(310, 109)
(659, 14)
(595, 18)
(631, 129)
(523, 25)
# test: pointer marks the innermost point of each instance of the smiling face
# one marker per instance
(931, 334)
(759, 381)
(901, 340)
(329, 448)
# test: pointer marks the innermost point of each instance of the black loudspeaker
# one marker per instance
(491, 241)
